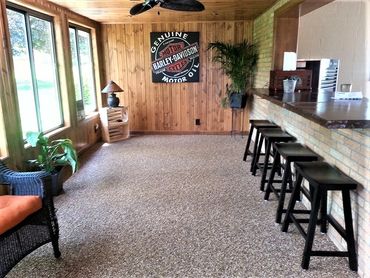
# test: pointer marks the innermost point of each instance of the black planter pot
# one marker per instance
(56, 181)
(238, 100)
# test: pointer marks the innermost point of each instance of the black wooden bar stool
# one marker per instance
(270, 136)
(322, 177)
(291, 152)
(258, 127)
(255, 125)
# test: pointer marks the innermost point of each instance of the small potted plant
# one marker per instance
(239, 62)
(53, 156)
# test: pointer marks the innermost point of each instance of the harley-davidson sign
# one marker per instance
(175, 57)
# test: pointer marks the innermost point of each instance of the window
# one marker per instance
(83, 70)
(3, 145)
(33, 51)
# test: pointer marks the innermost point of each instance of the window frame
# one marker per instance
(27, 12)
(76, 28)
(3, 140)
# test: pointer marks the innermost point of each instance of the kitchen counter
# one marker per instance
(321, 108)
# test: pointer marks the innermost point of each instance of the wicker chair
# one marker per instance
(37, 229)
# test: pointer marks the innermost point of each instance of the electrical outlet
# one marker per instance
(197, 121)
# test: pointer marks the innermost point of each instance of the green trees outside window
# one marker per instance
(83, 70)
(35, 66)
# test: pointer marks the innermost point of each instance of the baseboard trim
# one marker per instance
(172, 132)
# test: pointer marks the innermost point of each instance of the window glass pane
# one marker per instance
(86, 64)
(35, 71)
(47, 87)
(76, 73)
(22, 68)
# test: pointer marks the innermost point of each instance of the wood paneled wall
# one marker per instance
(171, 108)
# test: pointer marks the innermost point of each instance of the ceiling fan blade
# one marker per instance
(143, 7)
(182, 5)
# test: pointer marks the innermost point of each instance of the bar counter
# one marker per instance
(338, 131)
(321, 108)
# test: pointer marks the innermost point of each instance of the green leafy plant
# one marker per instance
(53, 153)
(239, 63)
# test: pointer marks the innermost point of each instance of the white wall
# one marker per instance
(340, 30)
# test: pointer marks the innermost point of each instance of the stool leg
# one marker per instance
(284, 183)
(311, 228)
(323, 213)
(279, 168)
(292, 201)
(265, 165)
(275, 165)
(257, 157)
(256, 143)
(290, 178)
(349, 230)
(248, 143)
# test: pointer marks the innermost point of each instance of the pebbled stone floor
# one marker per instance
(172, 206)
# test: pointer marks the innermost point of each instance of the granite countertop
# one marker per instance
(321, 108)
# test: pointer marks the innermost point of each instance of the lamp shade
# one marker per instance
(111, 88)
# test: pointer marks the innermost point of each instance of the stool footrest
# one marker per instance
(299, 227)
(337, 226)
(261, 166)
(277, 181)
(300, 220)
(301, 211)
(278, 190)
(306, 193)
(323, 253)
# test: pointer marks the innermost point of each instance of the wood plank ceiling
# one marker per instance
(117, 11)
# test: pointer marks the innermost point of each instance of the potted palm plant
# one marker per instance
(53, 156)
(239, 63)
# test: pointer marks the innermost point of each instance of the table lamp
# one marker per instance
(110, 89)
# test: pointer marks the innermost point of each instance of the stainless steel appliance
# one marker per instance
(324, 73)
